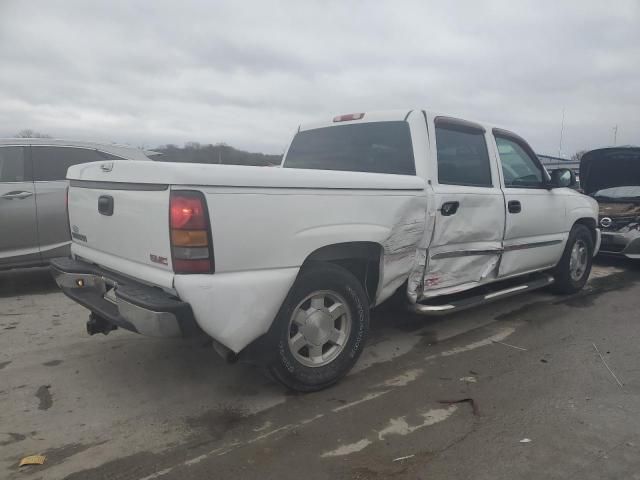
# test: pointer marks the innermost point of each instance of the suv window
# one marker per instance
(519, 169)
(51, 163)
(463, 158)
(12, 165)
(377, 147)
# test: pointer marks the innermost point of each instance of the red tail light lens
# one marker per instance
(191, 266)
(187, 212)
(191, 246)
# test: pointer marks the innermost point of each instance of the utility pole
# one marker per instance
(561, 133)
(615, 135)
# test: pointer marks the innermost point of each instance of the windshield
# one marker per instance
(619, 193)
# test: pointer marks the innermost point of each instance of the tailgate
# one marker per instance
(123, 227)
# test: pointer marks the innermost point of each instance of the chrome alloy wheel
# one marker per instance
(319, 328)
(579, 259)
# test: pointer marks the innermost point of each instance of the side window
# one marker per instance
(463, 158)
(13, 165)
(51, 163)
(519, 169)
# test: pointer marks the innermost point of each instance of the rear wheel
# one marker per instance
(572, 272)
(320, 330)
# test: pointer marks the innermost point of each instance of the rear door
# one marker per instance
(18, 226)
(50, 164)
(469, 223)
(536, 227)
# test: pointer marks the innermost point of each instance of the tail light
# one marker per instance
(191, 245)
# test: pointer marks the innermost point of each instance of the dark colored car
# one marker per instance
(612, 177)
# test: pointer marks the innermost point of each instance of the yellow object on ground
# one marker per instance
(32, 460)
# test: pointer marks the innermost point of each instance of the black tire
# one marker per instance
(565, 283)
(283, 365)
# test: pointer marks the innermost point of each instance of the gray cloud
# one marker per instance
(248, 73)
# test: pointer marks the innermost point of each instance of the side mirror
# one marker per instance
(562, 177)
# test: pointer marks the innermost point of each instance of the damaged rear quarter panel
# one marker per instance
(260, 235)
(403, 249)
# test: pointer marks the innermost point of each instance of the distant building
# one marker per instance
(551, 163)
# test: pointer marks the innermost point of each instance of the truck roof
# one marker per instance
(386, 116)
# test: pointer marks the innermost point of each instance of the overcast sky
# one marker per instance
(248, 72)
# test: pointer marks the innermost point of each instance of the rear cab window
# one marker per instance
(375, 147)
(462, 154)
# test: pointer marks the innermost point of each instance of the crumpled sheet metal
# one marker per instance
(458, 272)
(410, 253)
(416, 275)
(401, 248)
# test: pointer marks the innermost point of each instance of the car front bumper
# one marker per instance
(625, 244)
(124, 303)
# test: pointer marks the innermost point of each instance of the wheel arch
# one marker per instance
(590, 223)
(361, 258)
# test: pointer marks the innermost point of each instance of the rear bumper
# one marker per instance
(621, 244)
(130, 305)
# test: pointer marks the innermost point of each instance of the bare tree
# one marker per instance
(578, 155)
(28, 133)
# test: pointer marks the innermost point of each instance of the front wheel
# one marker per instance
(320, 330)
(572, 272)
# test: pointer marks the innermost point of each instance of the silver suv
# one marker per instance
(33, 219)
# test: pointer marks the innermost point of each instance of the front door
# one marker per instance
(18, 222)
(535, 228)
(469, 221)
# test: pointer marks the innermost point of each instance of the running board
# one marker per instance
(476, 300)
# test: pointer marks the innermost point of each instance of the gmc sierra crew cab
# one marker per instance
(289, 261)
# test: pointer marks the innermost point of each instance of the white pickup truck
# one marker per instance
(447, 212)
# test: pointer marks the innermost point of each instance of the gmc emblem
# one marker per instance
(158, 259)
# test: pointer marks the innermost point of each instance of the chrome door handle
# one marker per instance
(16, 194)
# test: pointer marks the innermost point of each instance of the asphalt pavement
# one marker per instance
(535, 386)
